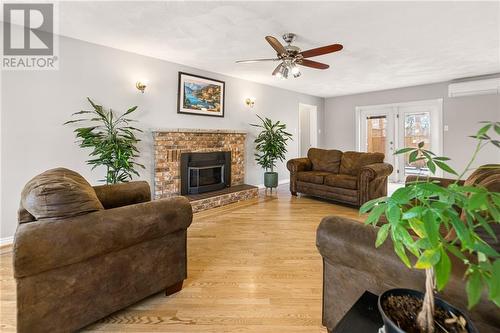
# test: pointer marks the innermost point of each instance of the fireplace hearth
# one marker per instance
(205, 172)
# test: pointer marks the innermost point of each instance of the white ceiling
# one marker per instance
(386, 44)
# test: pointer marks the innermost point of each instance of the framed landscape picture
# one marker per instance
(200, 95)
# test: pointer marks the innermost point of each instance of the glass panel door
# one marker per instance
(377, 133)
(416, 129)
(418, 123)
(387, 128)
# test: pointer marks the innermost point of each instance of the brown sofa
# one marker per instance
(82, 253)
(352, 264)
(350, 177)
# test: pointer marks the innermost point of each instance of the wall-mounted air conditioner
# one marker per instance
(477, 87)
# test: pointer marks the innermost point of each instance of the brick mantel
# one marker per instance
(170, 143)
(196, 130)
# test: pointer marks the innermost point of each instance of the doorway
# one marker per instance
(308, 128)
(389, 127)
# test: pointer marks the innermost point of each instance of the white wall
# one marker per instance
(35, 104)
(461, 114)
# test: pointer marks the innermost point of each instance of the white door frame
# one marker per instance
(436, 132)
(313, 123)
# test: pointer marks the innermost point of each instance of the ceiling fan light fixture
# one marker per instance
(278, 72)
(285, 72)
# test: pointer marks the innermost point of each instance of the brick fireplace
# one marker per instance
(171, 144)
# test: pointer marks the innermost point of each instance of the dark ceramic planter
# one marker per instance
(391, 327)
(271, 179)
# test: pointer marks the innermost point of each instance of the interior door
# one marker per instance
(308, 128)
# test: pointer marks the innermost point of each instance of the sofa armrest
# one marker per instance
(123, 194)
(376, 170)
(299, 164)
(48, 244)
(444, 182)
(349, 244)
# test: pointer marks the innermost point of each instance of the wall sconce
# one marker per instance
(140, 86)
(250, 102)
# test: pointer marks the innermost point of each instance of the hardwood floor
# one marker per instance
(252, 266)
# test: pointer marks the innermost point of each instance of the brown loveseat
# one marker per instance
(350, 177)
(82, 253)
(352, 264)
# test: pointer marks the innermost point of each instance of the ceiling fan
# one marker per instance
(290, 56)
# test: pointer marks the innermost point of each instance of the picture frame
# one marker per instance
(199, 95)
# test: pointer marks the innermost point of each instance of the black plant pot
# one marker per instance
(391, 327)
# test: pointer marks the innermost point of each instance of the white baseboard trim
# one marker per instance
(6, 240)
(281, 182)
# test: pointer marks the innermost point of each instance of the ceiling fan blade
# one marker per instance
(321, 50)
(276, 45)
(313, 64)
(255, 60)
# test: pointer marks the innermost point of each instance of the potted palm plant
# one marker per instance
(271, 147)
(423, 221)
(112, 140)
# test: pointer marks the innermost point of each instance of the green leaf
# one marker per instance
(485, 225)
(400, 251)
(473, 288)
(404, 150)
(418, 227)
(413, 212)
(382, 234)
(497, 128)
(445, 167)
(483, 130)
(456, 252)
(478, 201)
(432, 167)
(443, 270)
(375, 214)
(441, 158)
(494, 283)
(431, 228)
(428, 259)
(393, 214)
(413, 156)
(461, 230)
(367, 206)
(486, 249)
(421, 144)
(402, 195)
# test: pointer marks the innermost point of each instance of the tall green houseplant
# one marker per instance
(112, 139)
(422, 221)
(271, 147)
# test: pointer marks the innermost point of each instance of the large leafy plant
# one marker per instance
(423, 221)
(270, 143)
(112, 140)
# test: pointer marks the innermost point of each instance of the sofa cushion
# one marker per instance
(342, 181)
(353, 161)
(327, 160)
(59, 193)
(316, 177)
